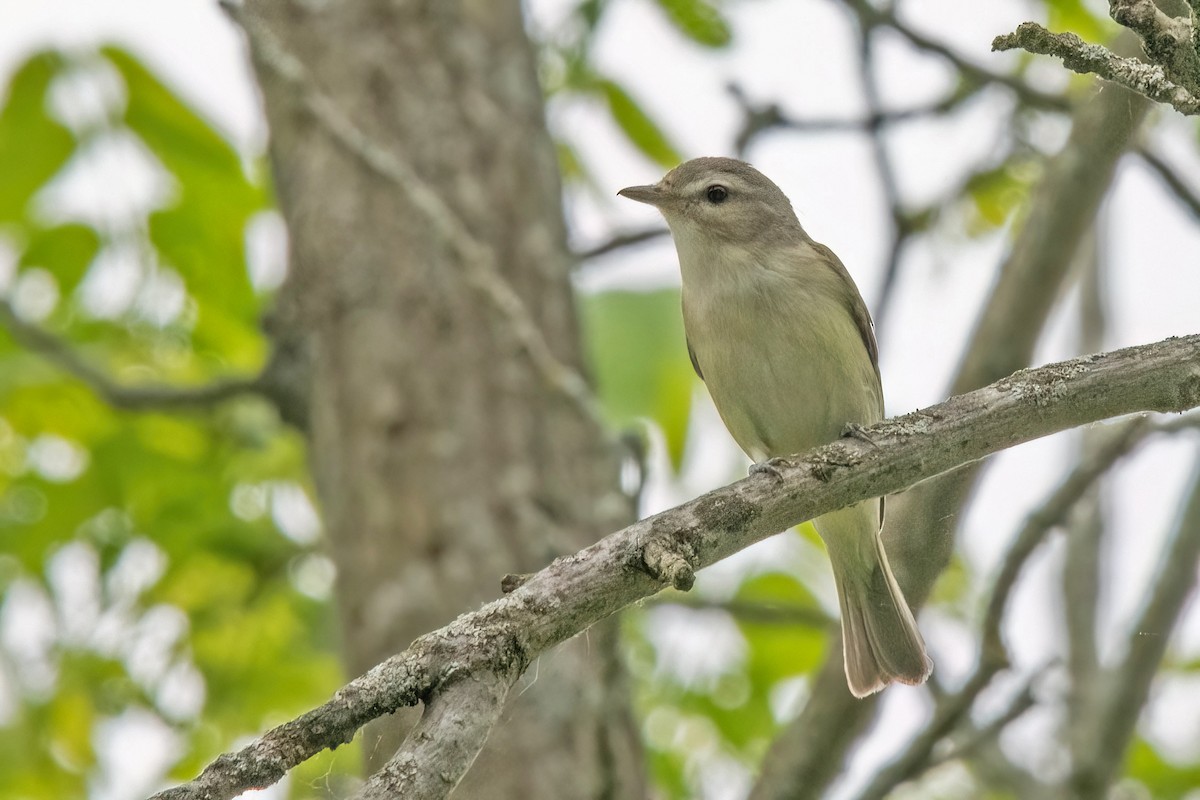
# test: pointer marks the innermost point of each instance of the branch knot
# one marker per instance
(663, 560)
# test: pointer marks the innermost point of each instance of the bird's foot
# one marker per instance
(855, 431)
(770, 467)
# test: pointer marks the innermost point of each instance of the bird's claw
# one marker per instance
(855, 431)
(769, 467)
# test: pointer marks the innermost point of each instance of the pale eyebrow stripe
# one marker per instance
(726, 179)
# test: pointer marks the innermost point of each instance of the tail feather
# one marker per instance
(880, 640)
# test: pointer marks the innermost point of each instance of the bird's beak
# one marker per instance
(652, 195)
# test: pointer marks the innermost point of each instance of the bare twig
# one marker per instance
(997, 771)
(619, 242)
(901, 229)
(975, 738)
(1149, 80)
(503, 637)
(871, 16)
(1085, 528)
(758, 613)
(1189, 197)
(1126, 686)
(482, 271)
(760, 119)
(128, 398)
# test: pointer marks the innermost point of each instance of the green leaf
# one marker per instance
(781, 651)
(998, 192)
(1165, 780)
(698, 20)
(637, 125)
(183, 140)
(1074, 16)
(65, 250)
(33, 145)
(638, 356)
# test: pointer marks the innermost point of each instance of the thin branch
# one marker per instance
(1185, 194)
(901, 227)
(619, 242)
(871, 16)
(976, 738)
(128, 398)
(482, 270)
(1085, 526)
(995, 770)
(504, 636)
(1127, 686)
(757, 613)
(1149, 80)
(760, 119)
(442, 746)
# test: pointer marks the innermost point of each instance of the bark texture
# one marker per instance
(444, 459)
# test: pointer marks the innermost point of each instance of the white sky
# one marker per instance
(800, 53)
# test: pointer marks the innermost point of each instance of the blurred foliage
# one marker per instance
(639, 362)
(1163, 779)
(1081, 19)
(569, 71)
(144, 566)
(728, 713)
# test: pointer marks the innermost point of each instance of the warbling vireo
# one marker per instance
(778, 332)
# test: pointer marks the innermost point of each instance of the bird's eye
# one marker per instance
(717, 194)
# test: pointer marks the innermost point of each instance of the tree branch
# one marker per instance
(1085, 527)
(618, 242)
(575, 591)
(870, 16)
(128, 398)
(1124, 688)
(886, 170)
(1189, 197)
(442, 746)
(1150, 80)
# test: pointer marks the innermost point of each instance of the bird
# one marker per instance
(782, 339)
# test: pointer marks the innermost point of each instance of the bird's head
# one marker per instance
(720, 199)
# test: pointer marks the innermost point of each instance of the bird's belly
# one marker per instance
(785, 382)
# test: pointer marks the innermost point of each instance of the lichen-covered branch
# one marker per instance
(1162, 81)
(501, 639)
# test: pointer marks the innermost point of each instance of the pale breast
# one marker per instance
(783, 360)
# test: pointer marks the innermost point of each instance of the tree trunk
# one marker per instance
(443, 458)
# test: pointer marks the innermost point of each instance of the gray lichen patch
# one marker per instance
(727, 513)
(1046, 384)
(917, 423)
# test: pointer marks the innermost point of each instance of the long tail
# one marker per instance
(880, 640)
